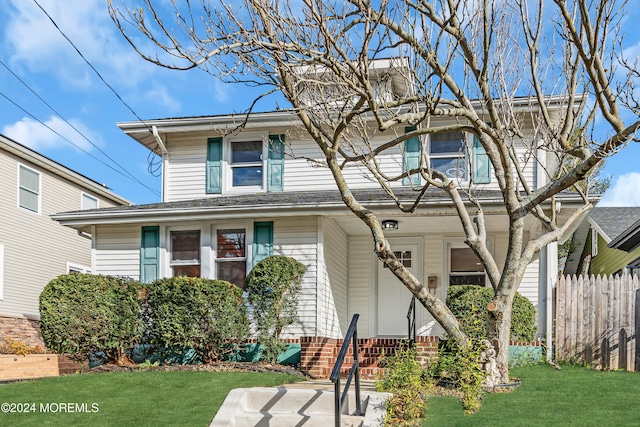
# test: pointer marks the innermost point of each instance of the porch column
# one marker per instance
(547, 282)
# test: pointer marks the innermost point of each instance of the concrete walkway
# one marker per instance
(304, 404)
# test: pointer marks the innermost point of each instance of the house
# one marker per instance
(33, 248)
(607, 242)
(231, 198)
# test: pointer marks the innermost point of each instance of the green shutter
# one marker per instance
(481, 163)
(150, 254)
(275, 165)
(411, 158)
(262, 240)
(214, 166)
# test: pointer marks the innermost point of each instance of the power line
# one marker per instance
(71, 142)
(127, 172)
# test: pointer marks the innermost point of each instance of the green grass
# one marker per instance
(572, 396)
(188, 398)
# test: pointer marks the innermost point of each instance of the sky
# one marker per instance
(45, 81)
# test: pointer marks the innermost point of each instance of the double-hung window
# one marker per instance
(231, 255)
(447, 154)
(89, 202)
(246, 164)
(29, 189)
(185, 253)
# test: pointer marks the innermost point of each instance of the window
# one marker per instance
(185, 253)
(465, 268)
(77, 269)
(447, 154)
(404, 257)
(594, 242)
(29, 189)
(89, 202)
(246, 163)
(231, 256)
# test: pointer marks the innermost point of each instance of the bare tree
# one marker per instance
(511, 73)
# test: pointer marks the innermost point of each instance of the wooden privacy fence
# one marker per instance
(597, 320)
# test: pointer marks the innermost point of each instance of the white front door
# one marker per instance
(393, 298)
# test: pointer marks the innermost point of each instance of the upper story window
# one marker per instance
(447, 154)
(185, 253)
(246, 162)
(450, 154)
(89, 202)
(29, 189)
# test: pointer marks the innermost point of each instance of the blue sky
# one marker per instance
(38, 54)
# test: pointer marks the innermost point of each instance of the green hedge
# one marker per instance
(273, 286)
(84, 314)
(184, 314)
(469, 305)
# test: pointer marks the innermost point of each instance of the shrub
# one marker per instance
(85, 314)
(469, 305)
(17, 347)
(273, 286)
(406, 379)
(187, 314)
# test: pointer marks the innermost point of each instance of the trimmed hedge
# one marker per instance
(184, 314)
(469, 305)
(273, 286)
(85, 314)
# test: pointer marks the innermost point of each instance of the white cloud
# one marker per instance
(161, 96)
(625, 191)
(38, 137)
(35, 43)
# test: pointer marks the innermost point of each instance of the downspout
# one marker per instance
(165, 154)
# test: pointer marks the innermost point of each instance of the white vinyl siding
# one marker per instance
(297, 238)
(360, 278)
(185, 175)
(334, 319)
(117, 250)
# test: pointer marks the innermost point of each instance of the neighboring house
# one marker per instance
(230, 199)
(607, 242)
(33, 248)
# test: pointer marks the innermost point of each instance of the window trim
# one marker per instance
(19, 187)
(82, 197)
(456, 243)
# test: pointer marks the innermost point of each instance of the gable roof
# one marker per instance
(611, 222)
(31, 156)
(629, 239)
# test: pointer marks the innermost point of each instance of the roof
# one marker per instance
(629, 239)
(611, 222)
(269, 204)
(56, 168)
(143, 131)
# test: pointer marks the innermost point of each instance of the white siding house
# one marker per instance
(261, 186)
(33, 248)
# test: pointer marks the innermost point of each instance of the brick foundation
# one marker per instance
(21, 329)
(318, 354)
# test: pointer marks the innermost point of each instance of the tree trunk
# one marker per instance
(499, 331)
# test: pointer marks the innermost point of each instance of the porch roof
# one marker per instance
(274, 204)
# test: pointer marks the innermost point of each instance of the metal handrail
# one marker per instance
(352, 335)
(411, 320)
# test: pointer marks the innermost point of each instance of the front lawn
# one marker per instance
(153, 398)
(549, 397)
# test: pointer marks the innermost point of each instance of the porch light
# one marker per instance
(390, 224)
